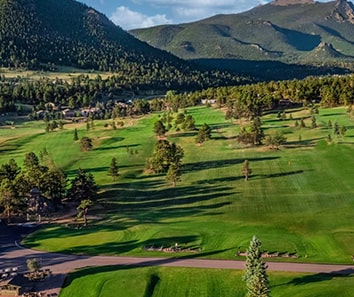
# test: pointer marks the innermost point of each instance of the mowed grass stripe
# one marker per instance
(296, 199)
(166, 281)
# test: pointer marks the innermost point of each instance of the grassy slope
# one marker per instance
(162, 281)
(298, 198)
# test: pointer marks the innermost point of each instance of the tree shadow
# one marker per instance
(116, 147)
(155, 205)
(280, 174)
(183, 134)
(320, 277)
(150, 288)
(144, 263)
(219, 180)
(221, 163)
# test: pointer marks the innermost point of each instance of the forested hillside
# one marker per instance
(41, 34)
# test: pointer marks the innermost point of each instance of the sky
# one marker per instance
(132, 14)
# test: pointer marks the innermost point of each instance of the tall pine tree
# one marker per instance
(113, 168)
(255, 274)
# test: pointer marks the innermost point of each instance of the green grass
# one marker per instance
(62, 72)
(298, 199)
(163, 281)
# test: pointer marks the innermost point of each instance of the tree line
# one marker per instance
(40, 186)
(240, 101)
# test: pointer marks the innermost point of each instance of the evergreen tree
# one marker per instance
(113, 168)
(204, 134)
(179, 119)
(257, 131)
(9, 170)
(329, 138)
(329, 124)
(275, 141)
(9, 199)
(313, 122)
(76, 136)
(83, 209)
(255, 274)
(114, 126)
(174, 173)
(164, 155)
(86, 144)
(83, 186)
(246, 170)
(336, 129)
(342, 130)
(159, 128)
(54, 184)
(189, 123)
(302, 123)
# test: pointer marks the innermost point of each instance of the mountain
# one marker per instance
(294, 32)
(41, 34)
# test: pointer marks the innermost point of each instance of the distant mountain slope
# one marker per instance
(291, 31)
(45, 33)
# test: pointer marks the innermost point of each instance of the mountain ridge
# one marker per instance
(289, 31)
(43, 34)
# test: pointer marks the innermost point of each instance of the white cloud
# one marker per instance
(192, 10)
(206, 4)
(129, 19)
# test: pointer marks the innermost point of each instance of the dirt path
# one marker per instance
(12, 255)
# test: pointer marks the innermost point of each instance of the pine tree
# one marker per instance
(113, 168)
(313, 122)
(86, 144)
(255, 274)
(204, 134)
(336, 129)
(76, 136)
(159, 128)
(83, 209)
(174, 173)
(302, 124)
(246, 170)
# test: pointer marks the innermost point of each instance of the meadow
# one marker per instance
(163, 281)
(299, 199)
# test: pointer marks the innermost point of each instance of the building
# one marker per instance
(14, 286)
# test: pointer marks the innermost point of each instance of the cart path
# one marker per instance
(13, 255)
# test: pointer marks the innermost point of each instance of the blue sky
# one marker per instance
(131, 14)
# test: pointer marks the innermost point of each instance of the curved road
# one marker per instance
(12, 255)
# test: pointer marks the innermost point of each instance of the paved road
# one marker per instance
(12, 255)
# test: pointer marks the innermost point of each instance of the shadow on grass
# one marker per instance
(219, 180)
(139, 199)
(333, 114)
(221, 163)
(150, 288)
(141, 207)
(280, 174)
(184, 134)
(320, 277)
(150, 262)
(107, 148)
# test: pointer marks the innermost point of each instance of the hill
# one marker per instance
(41, 34)
(286, 31)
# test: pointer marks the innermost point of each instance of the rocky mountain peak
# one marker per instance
(344, 11)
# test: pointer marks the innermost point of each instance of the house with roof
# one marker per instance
(14, 286)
